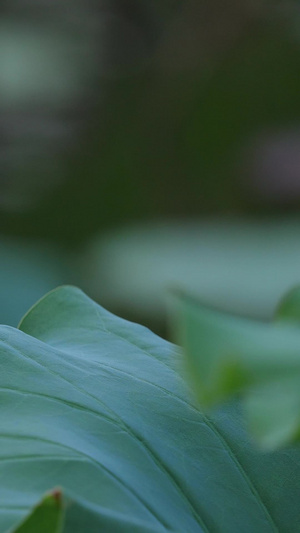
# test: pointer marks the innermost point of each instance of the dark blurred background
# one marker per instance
(149, 144)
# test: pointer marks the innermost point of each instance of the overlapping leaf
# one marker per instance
(46, 517)
(260, 361)
(96, 405)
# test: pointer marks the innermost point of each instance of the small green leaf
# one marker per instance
(289, 307)
(46, 517)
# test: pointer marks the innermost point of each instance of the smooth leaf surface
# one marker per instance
(261, 361)
(97, 405)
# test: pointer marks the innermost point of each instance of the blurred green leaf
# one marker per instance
(261, 361)
(289, 307)
(243, 265)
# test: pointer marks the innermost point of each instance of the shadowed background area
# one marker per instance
(145, 145)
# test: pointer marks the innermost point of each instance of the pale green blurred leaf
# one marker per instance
(243, 265)
(261, 361)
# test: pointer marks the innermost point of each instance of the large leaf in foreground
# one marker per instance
(96, 405)
(260, 361)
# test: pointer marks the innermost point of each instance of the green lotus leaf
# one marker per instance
(98, 406)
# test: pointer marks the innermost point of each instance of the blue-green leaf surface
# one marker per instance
(97, 406)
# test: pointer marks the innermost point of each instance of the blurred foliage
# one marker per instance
(236, 264)
(121, 112)
(166, 142)
(259, 363)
